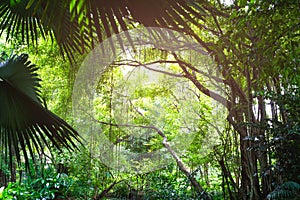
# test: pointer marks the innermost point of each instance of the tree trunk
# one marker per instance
(250, 188)
(250, 185)
(3, 179)
(227, 175)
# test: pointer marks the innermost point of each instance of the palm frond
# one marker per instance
(28, 20)
(75, 24)
(115, 15)
(25, 126)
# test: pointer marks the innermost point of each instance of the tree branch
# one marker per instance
(201, 87)
(134, 63)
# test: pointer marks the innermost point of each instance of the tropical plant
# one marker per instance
(288, 190)
(51, 185)
(77, 24)
(255, 46)
(26, 127)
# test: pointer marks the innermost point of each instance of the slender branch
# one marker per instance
(215, 78)
(134, 126)
(217, 23)
(134, 63)
(211, 77)
(106, 190)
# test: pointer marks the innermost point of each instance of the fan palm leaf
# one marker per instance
(28, 20)
(25, 125)
(75, 24)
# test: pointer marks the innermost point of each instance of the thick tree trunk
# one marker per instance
(245, 182)
(250, 187)
(263, 157)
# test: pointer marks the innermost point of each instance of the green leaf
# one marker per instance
(30, 3)
(25, 126)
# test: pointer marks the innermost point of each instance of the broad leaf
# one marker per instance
(25, 125)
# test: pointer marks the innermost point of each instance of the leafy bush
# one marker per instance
(168, 183)
(53, 185)
(89, 176)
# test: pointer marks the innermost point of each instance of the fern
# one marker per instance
(288, 190)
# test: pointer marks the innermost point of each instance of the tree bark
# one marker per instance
(3, 179)
(250, 188)
(227, 175)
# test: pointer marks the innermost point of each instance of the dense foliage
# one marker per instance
(225, 120)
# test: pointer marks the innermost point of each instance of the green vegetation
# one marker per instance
(209, 110)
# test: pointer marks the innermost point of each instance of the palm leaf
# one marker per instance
(25, 126)
(29, 20)
(115, 16)
(75, 24)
